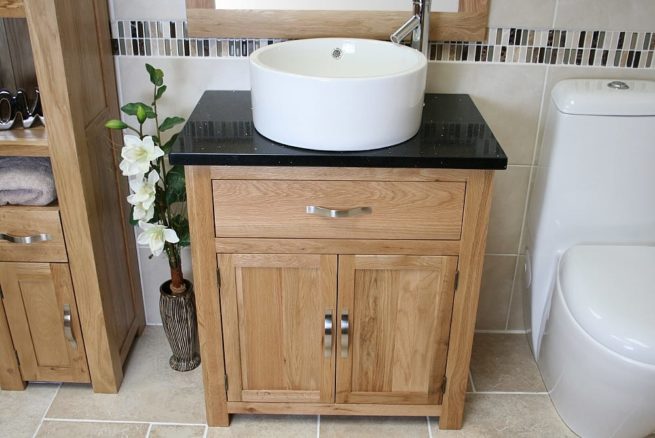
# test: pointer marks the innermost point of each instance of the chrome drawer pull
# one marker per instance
(326, 212)
(327, 342)
(68, 330)
(345, 333)
(25, 239)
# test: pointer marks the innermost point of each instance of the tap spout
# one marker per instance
(410, 25)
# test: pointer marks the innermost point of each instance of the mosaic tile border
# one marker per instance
(584, 48)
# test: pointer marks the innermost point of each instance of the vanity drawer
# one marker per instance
(365, 209)
(20, 222)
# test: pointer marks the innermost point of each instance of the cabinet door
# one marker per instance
(43, 321)
(275, 319)
(398, 323)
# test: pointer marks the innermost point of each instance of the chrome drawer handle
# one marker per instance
(327, 341)
(345, 333)
(68, 330)
(25, 239)
(326, 212)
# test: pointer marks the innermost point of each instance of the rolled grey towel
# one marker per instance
(26, 181)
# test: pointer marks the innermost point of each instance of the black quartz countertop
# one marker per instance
(453, 135)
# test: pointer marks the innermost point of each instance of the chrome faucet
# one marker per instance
(418, 25)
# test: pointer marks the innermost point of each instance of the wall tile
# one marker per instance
(522, 13)
(495, 291)
(633, 15)
(507, 207)
(148, 9)
(508, 97)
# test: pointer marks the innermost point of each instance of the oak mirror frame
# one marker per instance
(204, 20)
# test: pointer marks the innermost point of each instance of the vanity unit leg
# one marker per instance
(205, 278)
(474, 232)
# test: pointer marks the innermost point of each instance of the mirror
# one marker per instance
(347, 18)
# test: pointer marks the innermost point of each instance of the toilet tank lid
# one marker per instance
(610, 291)
(596, 97)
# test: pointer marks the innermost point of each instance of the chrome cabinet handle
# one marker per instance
(25, 239)
(327, 341)
(326, 212)
(68, 330)
(345, 333)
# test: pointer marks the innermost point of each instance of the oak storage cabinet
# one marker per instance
(71, 304)
(370, 312)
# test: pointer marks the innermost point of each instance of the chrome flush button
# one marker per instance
(618, 85)
(337, 53)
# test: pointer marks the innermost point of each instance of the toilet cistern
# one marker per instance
(418, 25)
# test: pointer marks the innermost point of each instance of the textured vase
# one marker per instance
(178, 315)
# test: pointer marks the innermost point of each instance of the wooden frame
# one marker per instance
(12, 9)
(470, 251)
(469, 24)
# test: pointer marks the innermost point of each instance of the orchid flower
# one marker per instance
(138, 154)
(156, 236)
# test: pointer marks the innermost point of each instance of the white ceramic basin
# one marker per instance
(337, 94)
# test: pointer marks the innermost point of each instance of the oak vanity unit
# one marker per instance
(337, 283)
(70, 294)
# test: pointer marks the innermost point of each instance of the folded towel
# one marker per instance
(26, 181)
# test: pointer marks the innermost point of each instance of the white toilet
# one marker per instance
(590, 270)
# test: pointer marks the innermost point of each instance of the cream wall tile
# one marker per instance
(630, 15)
(67, 429)
(516, 320)
(151, 390)
(504, 362)
(495, 292)
(507, 207)
(169, 431)
(508, 97)
(502, 416)
(148, 9)
(22, 411)
(269, 426)
(373, 427)
(530, 14)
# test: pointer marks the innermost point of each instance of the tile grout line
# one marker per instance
(508, 393)
(204, 435)
(148, 431)
(318, 426)
(90, 420)
(46, 411)
(429, 427)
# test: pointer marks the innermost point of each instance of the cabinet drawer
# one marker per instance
(394, 210)
(21, 222)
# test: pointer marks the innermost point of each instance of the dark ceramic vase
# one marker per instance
(178, 315)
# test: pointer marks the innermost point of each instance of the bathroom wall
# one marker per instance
(509, 77)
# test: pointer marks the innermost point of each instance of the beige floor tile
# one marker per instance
(373, 427)
(269, 426)
(67, 429)
(170, 431)
(507, 415)
(504, 362)
(151, 390)
(22, 411)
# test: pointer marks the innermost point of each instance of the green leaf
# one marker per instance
(175, 185)
(131, 109)
(160, 92)
(181, 226)
(133, 221)
(169, 144)
(115, 124)
(170, 122)
(156, 75)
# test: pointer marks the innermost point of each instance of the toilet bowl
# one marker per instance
(591, 249)
(598, 350)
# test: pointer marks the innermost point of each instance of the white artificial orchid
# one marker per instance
(143, 190)
(138, 154)
(155, 236)
(141, 214)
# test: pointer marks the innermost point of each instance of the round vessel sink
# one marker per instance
(337, 94)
